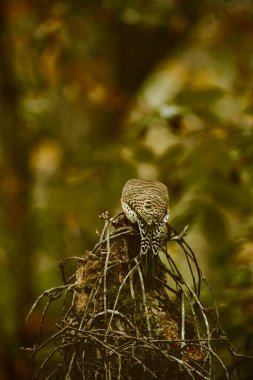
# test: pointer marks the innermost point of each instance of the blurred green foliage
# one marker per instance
(94, 93)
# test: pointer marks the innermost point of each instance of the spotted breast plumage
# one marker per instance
(146, 203)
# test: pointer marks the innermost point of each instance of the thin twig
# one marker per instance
(118, 294)
(144, 298)
(182, 320)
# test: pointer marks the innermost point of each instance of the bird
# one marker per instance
(146, 203)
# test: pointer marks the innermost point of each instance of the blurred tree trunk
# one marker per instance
(16, 179)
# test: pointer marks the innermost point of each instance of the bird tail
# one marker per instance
(155, 240)
(146, 236)
(148, 263)
(150, 244)
(146, 255)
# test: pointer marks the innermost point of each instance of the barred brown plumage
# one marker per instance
(146, 202)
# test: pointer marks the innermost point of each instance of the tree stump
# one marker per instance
(117, 323)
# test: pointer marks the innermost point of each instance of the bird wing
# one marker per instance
(151, 209)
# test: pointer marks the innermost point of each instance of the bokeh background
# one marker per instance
(93, 93)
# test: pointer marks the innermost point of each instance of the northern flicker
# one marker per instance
(146, 203)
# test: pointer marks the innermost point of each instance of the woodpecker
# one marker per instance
(146, 203)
